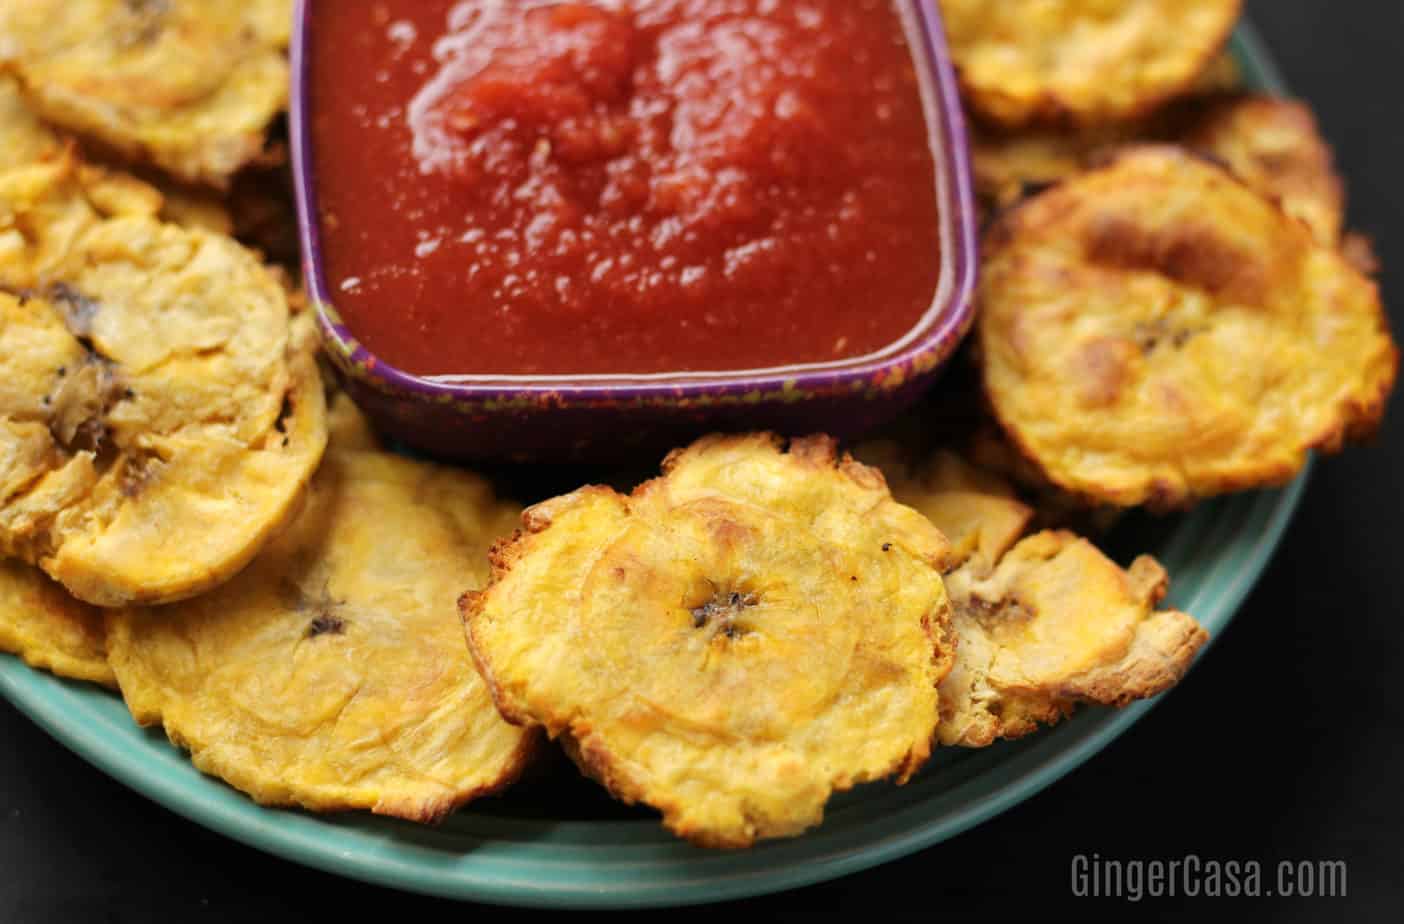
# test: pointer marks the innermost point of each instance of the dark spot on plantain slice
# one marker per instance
(80, 403)
(994, 613)
(326, 624)
(77, 310)
(322, 605)
(150, 21)
(723, 611)
(86, 395)
(138, 470)
(284, 412)
(1151, 334)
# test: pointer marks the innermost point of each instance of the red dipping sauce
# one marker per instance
(536, 187)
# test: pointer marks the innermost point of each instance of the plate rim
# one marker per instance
(50, 702)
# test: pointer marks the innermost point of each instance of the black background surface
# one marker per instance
(1286, 742)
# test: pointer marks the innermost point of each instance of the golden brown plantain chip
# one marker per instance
(729, 644)
(332, 673)
(976, 510)
(49, 629)
(26, 141)
(159, 414)
(1275, 147)
(1057, 624)
(190, 86)
(1154, 331)
(1009, 164)
(1045, 627)
(1271, 144)
(46, 205)
(1084, 61)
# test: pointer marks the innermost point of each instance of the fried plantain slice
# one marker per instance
(1056, 624)
(1275, 146)
(1082, 61)
(45, 206)
(1272, 144)
(1009, 164)
(729, 644)
(49, 629)
(976, 510)
(1045, 627)
(1154, 331)
(159, 413)
(26, 141)
(332, 674)
(190, 87)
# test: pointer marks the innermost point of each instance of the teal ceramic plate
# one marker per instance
(497, 853)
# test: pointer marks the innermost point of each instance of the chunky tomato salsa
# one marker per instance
(621, 186)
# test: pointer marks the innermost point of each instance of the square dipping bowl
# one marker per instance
(603, 418)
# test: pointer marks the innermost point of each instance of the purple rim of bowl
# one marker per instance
(944, 325)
